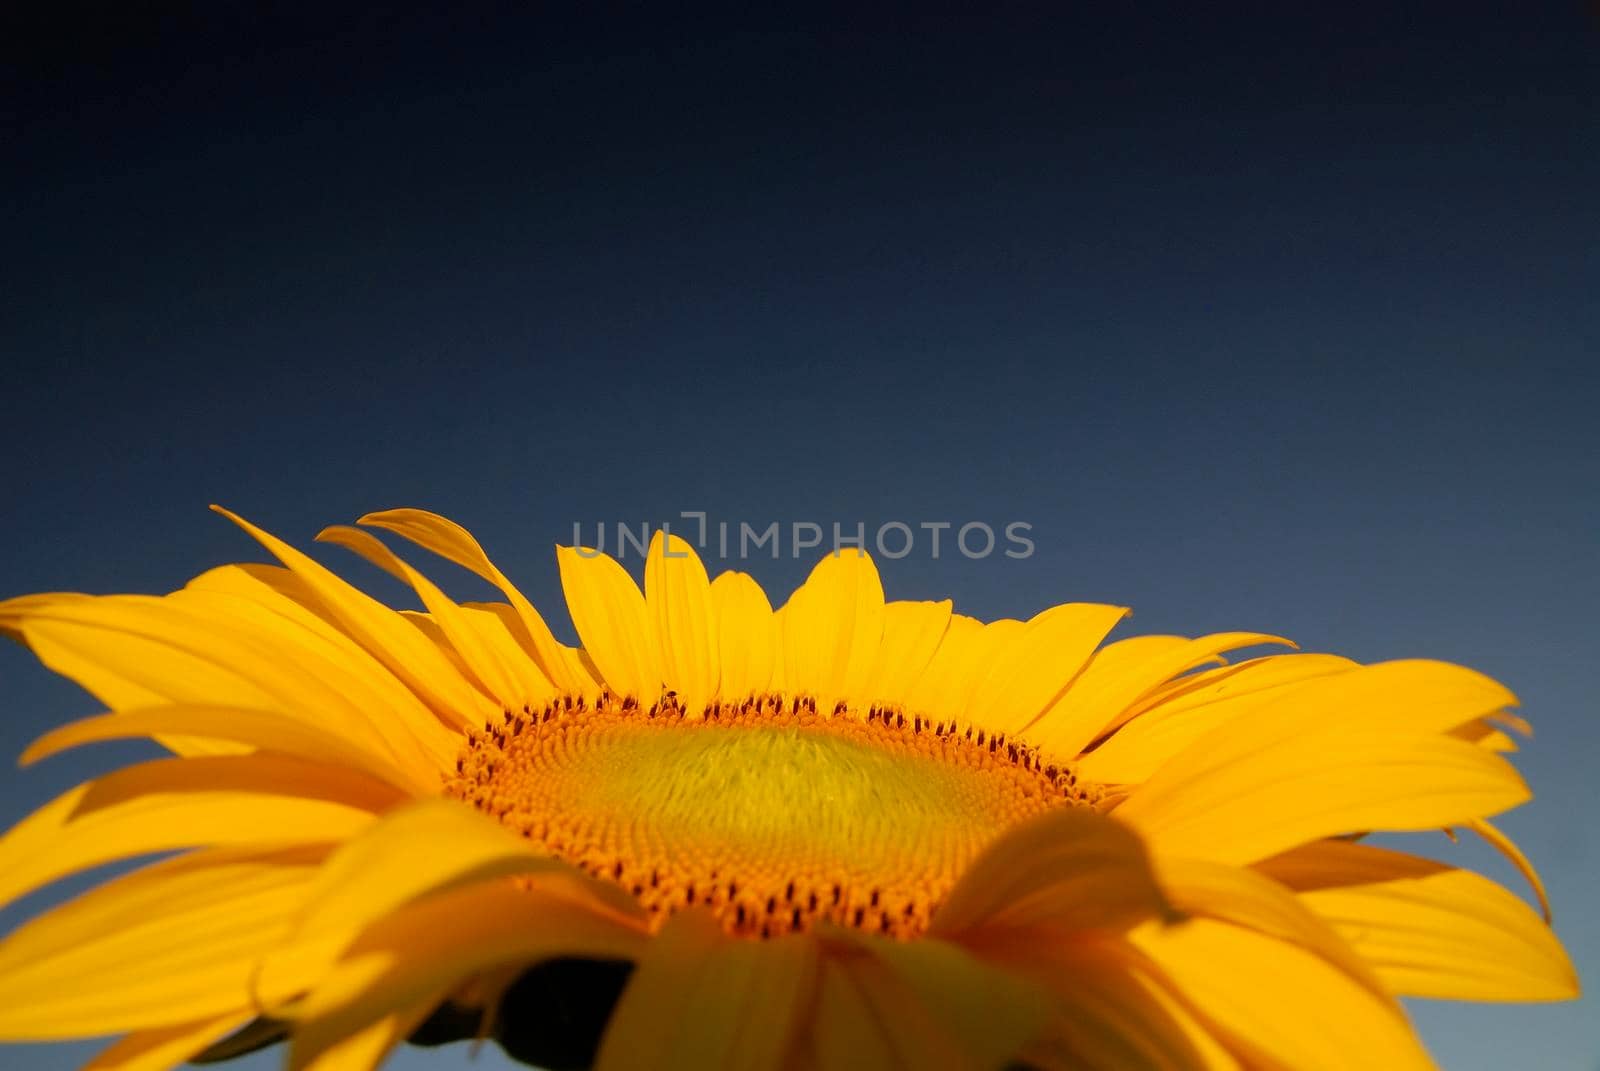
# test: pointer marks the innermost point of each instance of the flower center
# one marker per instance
(769, 813)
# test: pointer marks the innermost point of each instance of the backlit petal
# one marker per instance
(1029, 673)
(1105, 693)
(610, 615)
(166, 945)
(166, 1047)
(454, 543)
(1428, 929)
(678, 595)
(1234, 797)
(418, 953)
(1065, 871)
(181, 803)
(1174, 718)
(1281, 1005)
(747, 636)
(833, 626)
(482, 659)
(383, 632)
(912, 632)
(700, 998)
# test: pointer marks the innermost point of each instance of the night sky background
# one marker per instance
(1262, 319)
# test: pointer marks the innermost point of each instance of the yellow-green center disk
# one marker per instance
(768, 813)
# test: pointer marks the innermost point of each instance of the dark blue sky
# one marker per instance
(1261, 320)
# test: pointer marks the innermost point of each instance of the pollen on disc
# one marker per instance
(772, 815)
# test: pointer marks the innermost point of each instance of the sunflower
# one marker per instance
(845, 833)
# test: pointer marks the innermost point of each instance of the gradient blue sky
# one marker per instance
(1269, 321)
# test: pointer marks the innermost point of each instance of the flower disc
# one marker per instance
(768, 812)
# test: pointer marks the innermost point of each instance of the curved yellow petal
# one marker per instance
(182, 803)
(167, 1047)
(919, 1004)
(255, 729)
(278, 590)
(1106, 692)
(495, 624)
(1249, 899)
(411, 851)
(1427, 929)
(1513, 854)
(747, 635)
(1029, 673)
(678, 595)
(271, 602)
(1065, 871)
(416, 954)
(76, 662)
(1412, 694)
(1279, 1004)
(700, 998)
(169, 944)
(454, 543)
(383, 632)
(1236, 797)
(1239, 679)
(1194, 706)
(1110, 1011)
(1482, 732)
(183, 655)
(940, 691)
(482, 659)
(912, 633)
(832, 628)
(367, 1048)
(610, 615)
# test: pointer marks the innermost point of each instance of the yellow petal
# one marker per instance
(678, 594)
(167, 1047)
(702, 999)
(1282, 1006)
(833, 625)
(1414, 694)
(1483, 733)
(181, 803)
(847, 1030)
(1508, 848)
(610, 615)
(367, 1048)
(482, 659)
(1065, 871)
(940, 691)
(919, 1004)
(1106, 692)
(413, 850)
(425, 949)
(272, 603)
(1028, 674)
(747, 636)
(256, 729)
(1191, 707)
(73, 661)
(185, 655)
(384, 633)
(1427, 929)
(170, 944)
(1110, 1011)
(1243, 795)
(912, 632)
(496, 623)
(454, 543)
(1246, 898)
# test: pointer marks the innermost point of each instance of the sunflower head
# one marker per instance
(845, 832)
